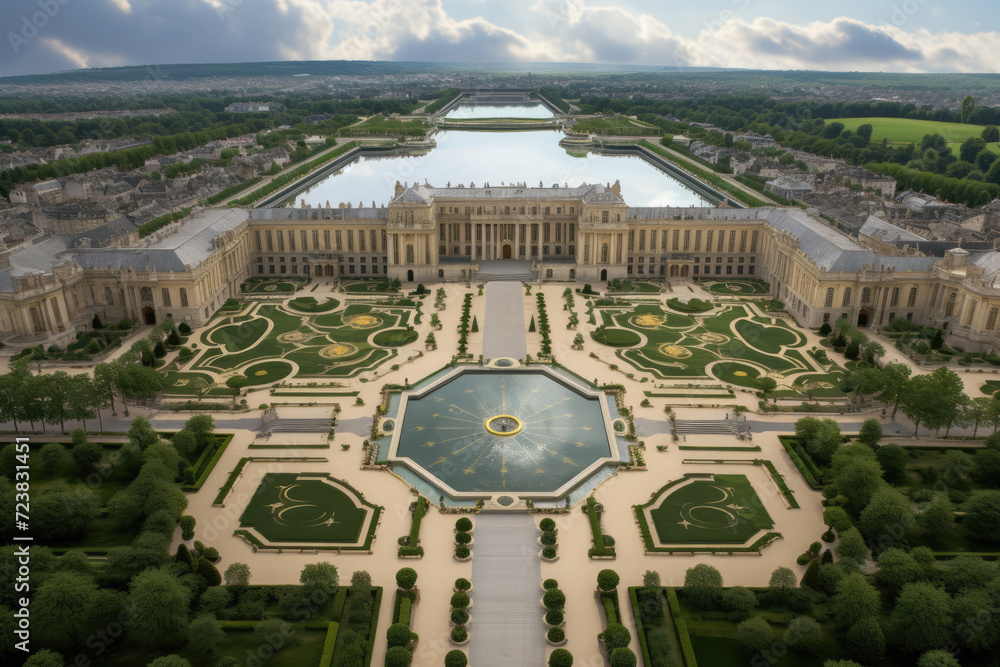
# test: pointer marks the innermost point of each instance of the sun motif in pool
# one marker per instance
(740, 374)
(363, 321)
(648, 320)
(675, 351)
(338, 350)
(259, 373)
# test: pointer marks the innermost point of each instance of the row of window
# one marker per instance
(507, 210)
(282, 239)
(866, 297)
(451, 233)
(146, 296)
(679, 242)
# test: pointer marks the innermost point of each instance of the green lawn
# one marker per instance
(723, 510)
(307, 508)
(394, 337)
(908, 130)
(737, 287)
(368, 286)
(308, 304)
(268, 287)
(991, 387)
(616, 125)
(616, 337)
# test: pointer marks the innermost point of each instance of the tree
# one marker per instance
(238, 575)
(201, 427)
(320, 577)
(858, 479)
(933, 399)
(887, 517)
(896, 568)
(60, 610)
(87, 454)
(96, 322)
(921, 620)
(52, 455)
(56, 389)
(158, 606)
(141, 433)
(455, 658)
(938, 519)
(397, 656)
(272, 631)
(990, 134)
(754, 634)
(172, 660)
(970, 149)
(813, 578)
(977, 411)
(969, 611)
(866, 641)
(966, 573)
(64, 513)
(855, 599)
(893, 460)
(870, 433)
(399, 634)
(205, 635)
(852, 547)
(783, 579)
(895, 377)
(185, 443)
(703, 586)
(45, 658)
(937, 658)
(807, 634)
(80, 398)
(406, 578)
(766, 384)
(739, 602)
(616, 635)
(982, 515)
(214, 599)
(837, 518)
(651, 579)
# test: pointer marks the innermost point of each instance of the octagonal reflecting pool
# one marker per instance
(521, 431)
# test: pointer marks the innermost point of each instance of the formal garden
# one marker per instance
(303, 337)
(736, 344)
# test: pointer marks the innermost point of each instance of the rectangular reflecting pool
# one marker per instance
(477, 111)
(498, 158)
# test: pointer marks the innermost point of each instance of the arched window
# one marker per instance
(109, 296)
(846, 303)
(184, 297)
(166, 297)
(829, 298)
(605, 251)
(972, 313)
(866, 295)
(911, 300)
(572, 274)
(950, 308)
(894, 299)
(145, 294)
(409, 254)
(991, 321)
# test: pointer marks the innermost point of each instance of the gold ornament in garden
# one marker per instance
(338, 350)
(363, 321)
(675, 351)
(648, 321)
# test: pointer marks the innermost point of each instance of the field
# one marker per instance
(908, 130)
(619, 125)
(731, 343)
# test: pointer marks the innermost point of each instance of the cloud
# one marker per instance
(186, 31)
(842, 44)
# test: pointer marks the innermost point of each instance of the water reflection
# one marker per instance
(472, 111)
(499, 158)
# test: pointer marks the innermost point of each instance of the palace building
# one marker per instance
(52, 287)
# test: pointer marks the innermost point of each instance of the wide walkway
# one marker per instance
(504, 335)
(506, 616)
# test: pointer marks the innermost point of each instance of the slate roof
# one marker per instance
(884, 231)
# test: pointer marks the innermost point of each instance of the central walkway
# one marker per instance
(504, 335)
(506, 616)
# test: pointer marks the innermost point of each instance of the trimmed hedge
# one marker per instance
(233, 476)
(220, 449)
(800, 464)
(599, 548)
(331, 641)
(779, 479)
(370, 648)
(339, 600)
(637, 615)
(413, 548)
(682, 632)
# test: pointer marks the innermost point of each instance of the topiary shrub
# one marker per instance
(463, 584)
(460, 600)
(399, 634)
(556, 635)
(607, 580)
(459, 633)
(406, 578)
(550, 584)
(616, 636)
(549, 552)
(622, 657)
(554, 599)
(547, 524)
(212, 554)
(455, 658)
(459, 616)
(560, 658)
(548, 539)
(184, 328)
(397, 656)
(463, 525)
(187, 527)
(554, 617)
(463, 538)
(462, 551)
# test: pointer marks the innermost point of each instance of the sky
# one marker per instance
(43, 36)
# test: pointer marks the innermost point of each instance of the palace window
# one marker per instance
(894, 299)
(991, 321)
(829, 298)
(743, 241)
(911, 301)
(350, 240)
(184, 297)
(270, 243)
(305, 241)
(146, 294)
(326, 239)
(409, 254)
(732, 241)
(291, 240)
(972, 313)
(697, 240)
(687, 239)
(337, 239)
(676, 240)
(109, 296)
(753, 241)
(866, 296)
(257, 235)
(165, 293)
(950, 307)
(604, 253)
(281, 241)
(361, 241)
(846, 303)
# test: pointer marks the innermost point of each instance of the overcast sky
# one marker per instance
(879, 35)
